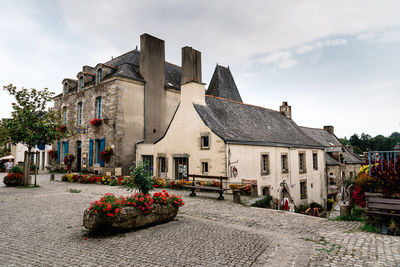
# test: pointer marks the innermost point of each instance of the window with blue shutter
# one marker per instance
(58, 152)
(90, 152)
(98, 107)
(101, 148)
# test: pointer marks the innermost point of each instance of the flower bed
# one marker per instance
(93, 179)
(13, 179)
(132, 212)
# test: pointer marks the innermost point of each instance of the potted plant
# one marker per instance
(96, 122)
(106, 154)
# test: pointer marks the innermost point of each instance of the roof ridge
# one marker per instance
(233, 101)
(312, 128)
(134, 50)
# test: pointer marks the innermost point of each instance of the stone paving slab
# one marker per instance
(43, 227)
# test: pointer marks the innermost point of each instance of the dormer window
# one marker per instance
(81, 83)
(65, 88)
(99, 75)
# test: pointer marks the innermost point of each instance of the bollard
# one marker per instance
(236, 196)
(52, 177)
(254, 191)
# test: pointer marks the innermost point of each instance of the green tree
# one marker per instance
(32, 122)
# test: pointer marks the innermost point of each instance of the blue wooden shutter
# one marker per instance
(90, 152)
(102, 146)
(66, 147)
(58, 152)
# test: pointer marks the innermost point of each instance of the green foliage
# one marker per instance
(365, 142)
(140, 179)
(263, 203)
(72, 190)
(16, 169)
(32, 122)
(358, 215)
(370, 228)
(33, 167)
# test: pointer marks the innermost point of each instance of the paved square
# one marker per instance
(43, 227)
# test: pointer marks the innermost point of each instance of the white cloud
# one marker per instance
(283, 59)
(320, 44)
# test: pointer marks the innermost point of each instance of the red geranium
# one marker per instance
(96, 122)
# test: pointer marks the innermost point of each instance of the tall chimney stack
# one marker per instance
(329, 128)
(191, 65)
(286, 110)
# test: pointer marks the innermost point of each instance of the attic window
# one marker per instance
(99, 75)
(65, 88)
(81, 82)
(330, 143)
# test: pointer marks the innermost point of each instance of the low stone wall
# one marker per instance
(130, 218)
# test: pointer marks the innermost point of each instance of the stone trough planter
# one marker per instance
(130, 218)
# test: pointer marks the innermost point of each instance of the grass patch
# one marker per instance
(358, 215)
(28, 186)
(72, 190)
(370, 228)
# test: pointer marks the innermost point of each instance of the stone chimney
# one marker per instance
(152, 69)
(191, 65)
(286, 110)
(329, 128)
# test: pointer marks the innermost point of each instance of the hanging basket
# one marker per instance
(96, 122)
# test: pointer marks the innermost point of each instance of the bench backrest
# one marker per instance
(208, 176)
(383, 203)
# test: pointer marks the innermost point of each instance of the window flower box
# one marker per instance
(96, 122)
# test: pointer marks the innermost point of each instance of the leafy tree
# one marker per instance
(32, 122)
(344, 141)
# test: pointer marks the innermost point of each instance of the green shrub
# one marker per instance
(358, 215)
(263, 203)
(33, 167)
(301, 208)
(140, 179)
(370, 228)
(16, 169)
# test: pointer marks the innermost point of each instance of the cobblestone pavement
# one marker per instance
(43, 226)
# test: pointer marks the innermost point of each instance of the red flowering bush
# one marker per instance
(62, 128)
(141, 201)
(96, 122)
(164, 198)
(359, 196)
(13, 179)
(94, 179)
(109, 205)
(106, 154)
(158, 182)
(52, 154)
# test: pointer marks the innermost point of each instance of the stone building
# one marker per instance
(341, 163)
(219, 135)
(134, 94)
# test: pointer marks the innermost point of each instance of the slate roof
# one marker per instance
(332, 144)
(240, 123)
(128, 66)
(223, 85)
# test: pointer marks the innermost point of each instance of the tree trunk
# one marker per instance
(27, 166)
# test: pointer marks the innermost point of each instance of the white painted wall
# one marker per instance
(20, 152)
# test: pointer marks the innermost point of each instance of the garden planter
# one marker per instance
(130, 218)
(11, 182)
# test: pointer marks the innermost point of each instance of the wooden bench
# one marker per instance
(219, 189)
(383, 206)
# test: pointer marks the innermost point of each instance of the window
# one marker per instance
(284, 161)
(264, 164)
(181, 167)
(351, 175)
(99, 75)
(65, 88)
(97, 151)
(162, 165)
(148, 161)
(79, 119)
(64, 115)
(303, 189)
(64, 150)
(204, 167)
(205, 141)
(302, 162)
(315, 161)
(81, 82)
(98, 107)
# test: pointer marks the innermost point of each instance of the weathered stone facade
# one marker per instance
(136, 106)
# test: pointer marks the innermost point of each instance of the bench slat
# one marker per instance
(208, 177)
(383, 213)
(384, 200)
(383, 206)
(206, 187)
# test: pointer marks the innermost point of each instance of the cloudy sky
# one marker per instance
(335, 62)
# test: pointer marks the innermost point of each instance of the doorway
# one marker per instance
(78, 155)
(181, 168)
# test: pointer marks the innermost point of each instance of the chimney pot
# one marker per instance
(286, 110)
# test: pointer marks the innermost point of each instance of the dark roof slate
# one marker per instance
(331, 143)
(128, 66)
(223, 85)
(240, 123)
